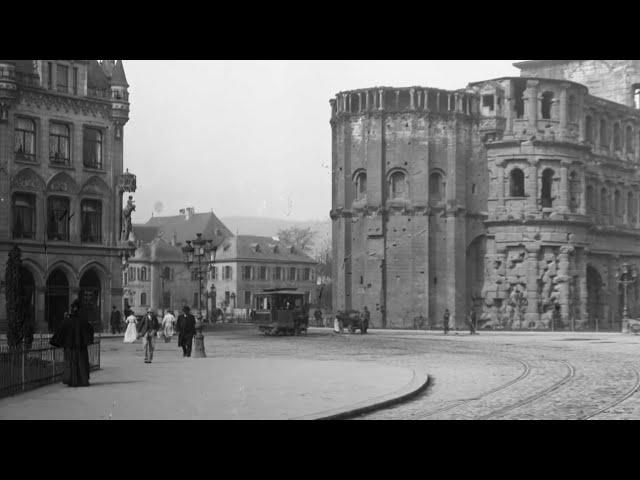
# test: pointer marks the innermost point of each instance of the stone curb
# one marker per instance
(418, 383)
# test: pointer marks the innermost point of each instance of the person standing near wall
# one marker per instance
(445, 321)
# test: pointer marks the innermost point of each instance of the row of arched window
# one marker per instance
(604, 135)
(547, 192)
(398, 186)
(603, 202)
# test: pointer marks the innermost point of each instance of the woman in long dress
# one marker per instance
(74, 335)
(168, 326)
(131, 335)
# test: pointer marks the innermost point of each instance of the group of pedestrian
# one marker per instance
(149, 328)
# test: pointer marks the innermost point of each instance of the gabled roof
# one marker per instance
(118, 78)
(267, 249)
(207, 224)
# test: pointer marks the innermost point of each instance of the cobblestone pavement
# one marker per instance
(494, 375)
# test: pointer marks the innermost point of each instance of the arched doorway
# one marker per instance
(595, 300)
(56, 299)
(475, 259)
(91, 299)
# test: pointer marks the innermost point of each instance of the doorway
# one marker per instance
(90, 299)
(56, 299)
(597, 320)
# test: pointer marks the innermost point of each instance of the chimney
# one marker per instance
(189, 212)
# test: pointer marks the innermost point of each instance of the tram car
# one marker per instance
(282, 312)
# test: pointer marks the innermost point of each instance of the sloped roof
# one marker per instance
(118, 77)
(143, 253)
(207, 224)
(162, 251)
(96, 77)
(267, 251)
(145, 233)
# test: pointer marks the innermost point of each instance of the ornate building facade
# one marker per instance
(62, 183)
(518, 197)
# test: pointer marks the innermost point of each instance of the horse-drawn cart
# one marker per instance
(353, 320)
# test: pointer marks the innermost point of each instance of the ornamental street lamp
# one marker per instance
(202, 252)
(625, 277)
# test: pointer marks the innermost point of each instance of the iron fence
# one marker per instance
(32, 366)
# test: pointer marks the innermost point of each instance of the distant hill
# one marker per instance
(269, 227)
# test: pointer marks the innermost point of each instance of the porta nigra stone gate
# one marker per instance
(516, 197)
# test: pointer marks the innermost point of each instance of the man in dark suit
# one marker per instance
(147, 329)
(186, 330)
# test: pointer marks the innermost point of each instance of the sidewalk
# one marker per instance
(173, 387)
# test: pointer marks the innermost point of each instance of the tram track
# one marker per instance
(619, 400)
(546, 391)
(525, 373)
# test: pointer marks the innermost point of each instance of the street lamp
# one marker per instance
(625, 277)
(165, 275)
(200, 252)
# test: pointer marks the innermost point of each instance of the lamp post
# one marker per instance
(165, 275)
(199, 253)
(625, 277)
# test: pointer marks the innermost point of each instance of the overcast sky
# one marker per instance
(252, 138)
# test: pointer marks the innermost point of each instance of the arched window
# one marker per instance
(617, 140)
(604, 138)
(361, 186)
(436, 187)
(516, 183)
(572, 109)
(575, 189)
(604, 201)
(545, 107)
(617, 203)
(591, 198)
(143, 299)
(143, 274)
(629, 139)
(547, 183)
(397, 185)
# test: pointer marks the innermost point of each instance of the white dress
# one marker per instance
(131, 335)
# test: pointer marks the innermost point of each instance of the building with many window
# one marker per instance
(517, 197)
(62, 181)
(244, 265)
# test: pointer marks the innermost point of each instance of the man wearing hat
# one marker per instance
(148, 329)
(186, 330)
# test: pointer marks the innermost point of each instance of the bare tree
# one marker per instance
(300, 238)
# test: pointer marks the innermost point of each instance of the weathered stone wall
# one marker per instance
(609, 79)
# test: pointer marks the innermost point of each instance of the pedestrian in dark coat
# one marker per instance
(445, 322)
(148, 329)
(472, 322)
(74, 335)
(116, 320)
(186, 330)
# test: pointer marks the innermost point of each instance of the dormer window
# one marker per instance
(62, 78)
